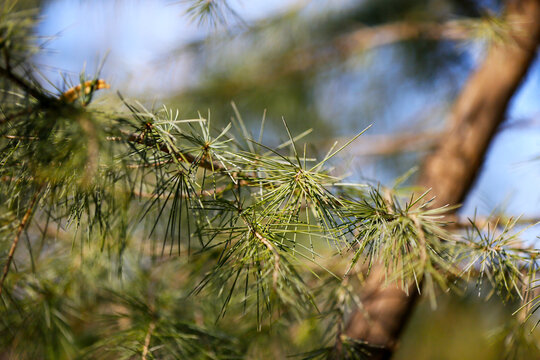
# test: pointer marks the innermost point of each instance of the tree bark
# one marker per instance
(452, 168)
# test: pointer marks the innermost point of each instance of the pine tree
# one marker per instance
(136, 232)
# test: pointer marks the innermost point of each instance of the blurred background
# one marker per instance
(292, 59)
(316, 64)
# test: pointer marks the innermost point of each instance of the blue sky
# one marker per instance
(130, 32)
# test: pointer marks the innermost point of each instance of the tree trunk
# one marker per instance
(452, 168)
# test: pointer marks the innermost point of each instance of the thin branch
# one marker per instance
(269, 246)
(275, 255)
(180, 156)
(15, 137)
(458, 222)
(421, 239)
(380, 145)
(165, 195)
(380, 35)
(370, 38)
(13, 116)
(10, 75)
(147, 338)
(24, 222)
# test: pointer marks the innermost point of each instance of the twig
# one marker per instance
(165, 195)
(269, 246)
(368, 38)
(15, 137)
(377, 36)
(456, 222)
(16, 115)
(380, 145)
(151, 328)
(180, 156)
(26, 218)
(7, 73)
(421, 239)
(275, 255)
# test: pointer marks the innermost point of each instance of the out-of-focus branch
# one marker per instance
(375, 36)
(22, 225)
(391, 144)
(459, 222)
(339, 48)
(147, 338)
(380, 145)
(21, 83)
(372, 37)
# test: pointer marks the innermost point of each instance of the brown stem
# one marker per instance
(30, 89)
(456, 222)
(147, 339)
(270, 247)
(371, 37)
(22, 225)
(382, 145)
(13, 116)
(275, 255)
(180, 156)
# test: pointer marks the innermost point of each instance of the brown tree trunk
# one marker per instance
(452, 168)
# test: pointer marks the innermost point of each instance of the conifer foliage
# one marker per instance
(138, 233)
